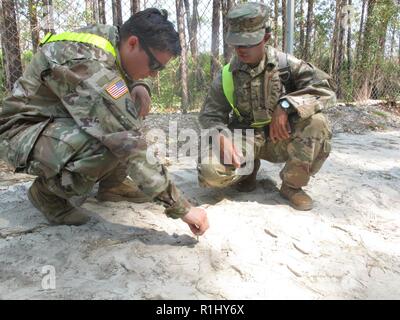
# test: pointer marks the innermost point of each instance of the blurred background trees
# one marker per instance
(357, 41)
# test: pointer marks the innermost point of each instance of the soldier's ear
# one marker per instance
(133, 42)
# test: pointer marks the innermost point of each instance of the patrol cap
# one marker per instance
(247, 23)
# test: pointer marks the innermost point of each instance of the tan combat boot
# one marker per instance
(249, 183)
(126, 190)
(57, 210)
(298, 199)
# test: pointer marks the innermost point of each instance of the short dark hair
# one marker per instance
(152, 25)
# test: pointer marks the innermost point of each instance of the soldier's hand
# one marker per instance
(140, 94)
(229, 152)
(279, 128)
(197, 220)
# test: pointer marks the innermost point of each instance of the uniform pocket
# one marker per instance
(21, 145)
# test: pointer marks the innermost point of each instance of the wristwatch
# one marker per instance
(285, 105)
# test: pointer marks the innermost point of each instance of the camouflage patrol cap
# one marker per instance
(247, 23)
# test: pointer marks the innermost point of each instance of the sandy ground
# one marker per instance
(347, 247)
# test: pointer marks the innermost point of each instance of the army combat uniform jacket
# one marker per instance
(84, 88)
(258, 90)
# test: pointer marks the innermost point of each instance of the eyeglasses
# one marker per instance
(154, 64)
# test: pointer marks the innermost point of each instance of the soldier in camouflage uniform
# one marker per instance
(294, 131)
(72, 122)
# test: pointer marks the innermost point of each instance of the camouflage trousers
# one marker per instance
(303, 154)
(72, 161)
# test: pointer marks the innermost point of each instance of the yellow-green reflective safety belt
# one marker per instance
(90, 38)
(229, 88)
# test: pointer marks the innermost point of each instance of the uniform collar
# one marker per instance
(118, 58)
(269, 62)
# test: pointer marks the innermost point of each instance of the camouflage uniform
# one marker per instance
(257, 93)
(61, 123)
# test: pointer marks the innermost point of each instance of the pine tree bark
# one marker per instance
(183, 65)
(361, 31)
(48, 16)
(349, 55)
(340, 52)
(10, 42)
(284, 25)
(215, 65)
(194, 27)
(88, 10)
(301, 27)
(102, 12)
(276, 10)
(228, 51)
(306, 54)
(117, 13)
(135, 6)
(95, 11)
(33, 24)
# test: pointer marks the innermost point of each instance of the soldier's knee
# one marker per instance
(316, 126)
(319, 126)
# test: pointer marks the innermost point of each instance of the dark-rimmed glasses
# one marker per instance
(154, 64)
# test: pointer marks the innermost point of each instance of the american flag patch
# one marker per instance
(117, 89)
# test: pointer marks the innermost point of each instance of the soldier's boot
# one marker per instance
(57, 210)
(298, 199)
(118, 187)
(249, 183)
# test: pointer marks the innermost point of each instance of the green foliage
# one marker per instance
(167, 89)
(26, 57)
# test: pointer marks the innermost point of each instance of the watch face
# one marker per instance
(285, 104)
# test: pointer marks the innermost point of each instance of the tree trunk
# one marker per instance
(335, 38)
(193, 27)
(228, 51)
(284, 25)
(183, 65)
(392, 40)
(310, 8)
(102, 12)
(360, 33)
(10, 41)
(301, 27)
(135, 6)
(95, 11)
(349, 56)
(215, 65)
(340, 52)
(33, 24)
(276, 23)
(48, 16)
(188, 18)
(88, 12)
(117, 13)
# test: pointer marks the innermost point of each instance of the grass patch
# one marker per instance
(380, 113)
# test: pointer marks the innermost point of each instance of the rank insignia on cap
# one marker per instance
(117, 88)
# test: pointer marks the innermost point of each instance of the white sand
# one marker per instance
(347, 247)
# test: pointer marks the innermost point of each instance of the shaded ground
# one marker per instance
(347, 247)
